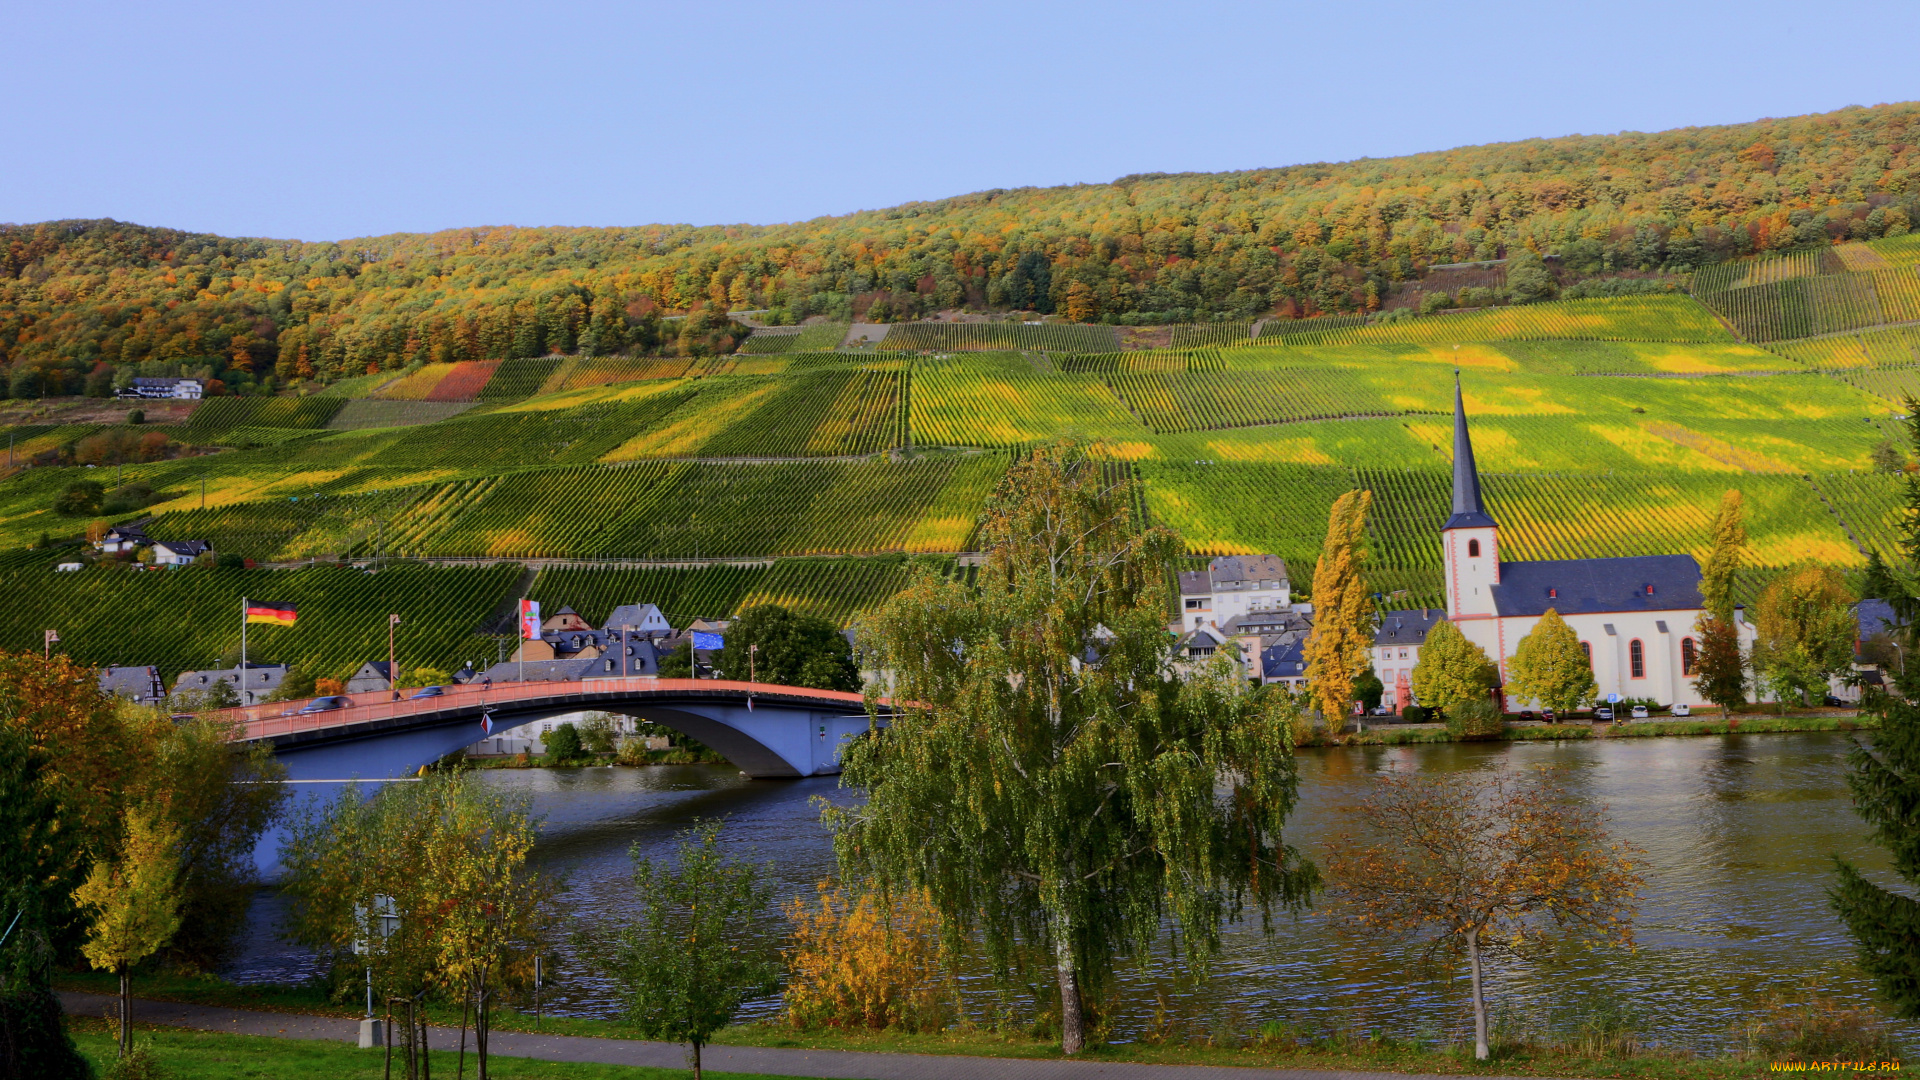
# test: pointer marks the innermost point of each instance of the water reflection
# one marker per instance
(1739, 833)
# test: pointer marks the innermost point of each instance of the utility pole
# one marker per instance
(393, 671)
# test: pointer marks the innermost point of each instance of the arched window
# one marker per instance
(1473, 549)
(1686, 656)
(1637, 658)
(1587, 647)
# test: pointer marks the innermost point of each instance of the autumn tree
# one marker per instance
(1338, 649)
(1476, 864)
(133, 901)
(688, 960)
(865, 961)
(1722, 670)
(1451, 669)
(1550, 667)
(1045, 775)
(33, 1038)
(1807, 632)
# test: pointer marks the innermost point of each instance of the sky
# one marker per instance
(344, 119)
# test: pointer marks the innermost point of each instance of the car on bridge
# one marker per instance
(428, 692)
(325, 704)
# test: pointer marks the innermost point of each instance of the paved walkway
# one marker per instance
(838, 1064)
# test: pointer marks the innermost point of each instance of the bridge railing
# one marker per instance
(284, 718)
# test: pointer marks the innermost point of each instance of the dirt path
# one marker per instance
(838, 1064)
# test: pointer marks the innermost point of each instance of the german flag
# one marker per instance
(278, 614)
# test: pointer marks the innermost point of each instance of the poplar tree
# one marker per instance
(1550, 667)
(1721, 670)
(1045, 774)
(1337, 650)
(1884, 777)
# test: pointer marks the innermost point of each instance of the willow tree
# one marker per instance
(1046, 776)
(1337, 651)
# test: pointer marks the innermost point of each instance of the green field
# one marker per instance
(1603, 427)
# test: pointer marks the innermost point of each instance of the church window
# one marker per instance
(1687, 656)
(1473, 549)
(1587, 647)
(1637, 658)
(1553, 594)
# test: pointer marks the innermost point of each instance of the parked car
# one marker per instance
(1381, 710)
(325, 704)
(1639, 712)
(1683, 710)
(428, 692)
(1603, 713)
(1548, 715)
(1836, 703)
(1526, 714)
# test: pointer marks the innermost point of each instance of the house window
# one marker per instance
(1403, 654)
(1195, 605)
(1686, 656)
(1473, 549)
(1637, 658)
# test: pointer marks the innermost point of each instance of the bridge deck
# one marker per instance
(280, 718)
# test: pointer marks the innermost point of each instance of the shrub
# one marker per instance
(81, 497)
(1417, 714)
(326, 687)
(139, 1065)
(865, 963)
(1817, 1029)
(563, 742)
(136, 416)
(1477, 719)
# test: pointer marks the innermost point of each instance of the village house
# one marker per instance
(260, 682)
(1396, 649)
(1232, 586)
(374, 677)
(566, 636)
(141, 685)
(179, 552)
(123, 538)
(159, 388)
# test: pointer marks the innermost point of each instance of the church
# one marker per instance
(1634, 616)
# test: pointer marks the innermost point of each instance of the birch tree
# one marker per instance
(1045, 776)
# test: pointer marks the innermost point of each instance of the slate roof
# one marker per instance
(1268, 622)
(1592, 586)
(1195, 583)
(185, 547)
(1468, 511)
(1284, 661)
(638, 616)
(1876, 617)
(142, 684)
(644, 662)
(1236, 568)
(1407, 627)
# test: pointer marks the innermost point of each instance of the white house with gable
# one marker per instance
(1634, 616)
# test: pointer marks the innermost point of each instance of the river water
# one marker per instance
(1739, 831)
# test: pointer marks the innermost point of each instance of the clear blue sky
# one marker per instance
(323, 121)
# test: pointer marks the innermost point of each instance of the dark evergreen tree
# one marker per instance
(33, 1037)
(1884, 777)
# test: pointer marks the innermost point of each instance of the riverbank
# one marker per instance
(1271, 1048)
(1738, 724)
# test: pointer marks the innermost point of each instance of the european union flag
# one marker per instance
(709, 641)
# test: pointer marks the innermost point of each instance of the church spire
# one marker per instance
(1468, 511)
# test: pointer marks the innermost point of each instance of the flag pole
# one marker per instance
(243, 650)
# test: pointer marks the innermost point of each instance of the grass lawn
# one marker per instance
(1337, 1053)
(205, 1055)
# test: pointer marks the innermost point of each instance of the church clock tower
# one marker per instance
(1469, 541)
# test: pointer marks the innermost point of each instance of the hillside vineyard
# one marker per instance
(570, 415)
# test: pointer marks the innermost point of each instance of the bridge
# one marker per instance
(768, 731)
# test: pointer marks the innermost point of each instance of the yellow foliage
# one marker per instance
(865, 963)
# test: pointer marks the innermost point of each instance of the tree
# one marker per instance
(296, 684)
(134, 899)
(688, 960)
(33, 1036)
(80, 498)
(678, 664)
(1478, 864)
(1887, 458)
(1528, 279)
(1550, 667)
(1722, 677)
(597, 734)
(1342, 639)
(424, 676)
(787, 648)
(1451, 668)
(1807, 630)
(1045, 776)
(562, 743)
(1367, 689)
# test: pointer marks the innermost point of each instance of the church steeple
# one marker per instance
(1468, 511)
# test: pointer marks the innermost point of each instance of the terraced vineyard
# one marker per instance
(1191, 335)
(781, 339)
(1193, 402)
(1008, 403)
(1640, 318)
(514, 380)
(184, 619)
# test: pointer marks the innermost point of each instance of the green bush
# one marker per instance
(81, 498)
(563, 743)
(1477, 719)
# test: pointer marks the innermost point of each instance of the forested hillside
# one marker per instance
(84, 302)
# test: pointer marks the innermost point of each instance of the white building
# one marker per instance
(176, 389)
(1396, 649)
(178, 552)
(1634, 616)
(1232, 586)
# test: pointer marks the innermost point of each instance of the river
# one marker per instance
(1739, 832)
